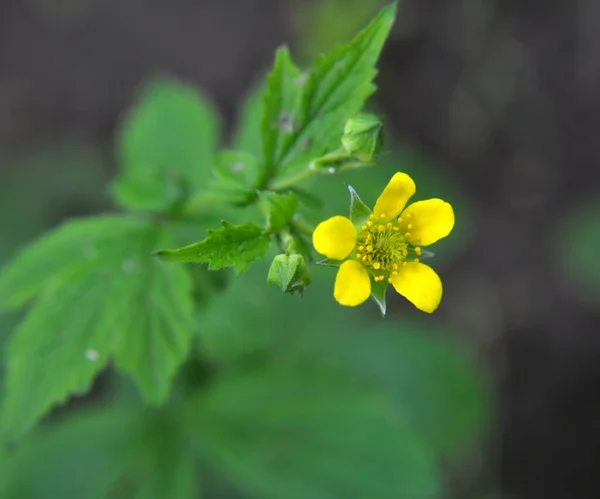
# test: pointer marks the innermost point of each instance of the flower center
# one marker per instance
(384, 246)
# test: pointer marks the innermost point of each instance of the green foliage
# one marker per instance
(304, 114)
(231, 245)
(165, 147)
(578, 243)
(289, 272)
(279, 209)
(100, 453)
(118, 301)
(287, 430)
(235, 175)
(279, 398)
(83, 457)
(73, 247)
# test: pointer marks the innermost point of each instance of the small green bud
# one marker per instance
(290, 273)
(363, 136)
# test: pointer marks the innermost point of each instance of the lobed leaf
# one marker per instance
(165, 147)
(127, 304)
(231, 245)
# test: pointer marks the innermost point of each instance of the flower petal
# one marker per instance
(419, 284)
(335, 237)
(394, 197)
(431, 220)
(352, 284)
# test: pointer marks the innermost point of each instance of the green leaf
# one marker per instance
(247, 136)
(235, 176)
(70, 248)
(173, 478)
(278, 208)
(280, 109)
(335, 90)
(290, 273)
(359, 211)
(231, 245)
(437, 385)
(83, 456)
(127, 304)
(100, 453)
(165, 147)
(300, 430)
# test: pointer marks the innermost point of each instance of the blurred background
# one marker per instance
(493, 105)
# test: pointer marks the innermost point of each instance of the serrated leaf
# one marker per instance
(230, 246)
(127, 305)
(280, 109)
(165, 147)
(378, 292)
(278, 208)
(335, 89)
(300, 430)
(73, 246)
(359, 211)
(289, 272)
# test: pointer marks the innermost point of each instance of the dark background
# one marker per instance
(503, 94)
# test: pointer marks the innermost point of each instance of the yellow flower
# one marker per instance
(384, 246)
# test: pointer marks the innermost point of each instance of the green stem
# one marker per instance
(303, 227)
(285, 183)
(199, 202)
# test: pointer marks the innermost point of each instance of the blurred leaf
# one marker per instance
(278, 208)
(301, 431)
(320, 26)
(166, 145)
(81, 457)
(247, 136)
(173, 478)
(236, 175)
(578, 247)
(335, 89)
(435, 384)
(119, 452)
(168, 469)
(231, 245)
(124, 303)
(289, 272)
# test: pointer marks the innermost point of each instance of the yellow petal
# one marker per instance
(431, 220)
(335, 237)
(352, 284)
(394, 197)
(419, 284)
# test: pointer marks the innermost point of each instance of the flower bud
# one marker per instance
(363, 136)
